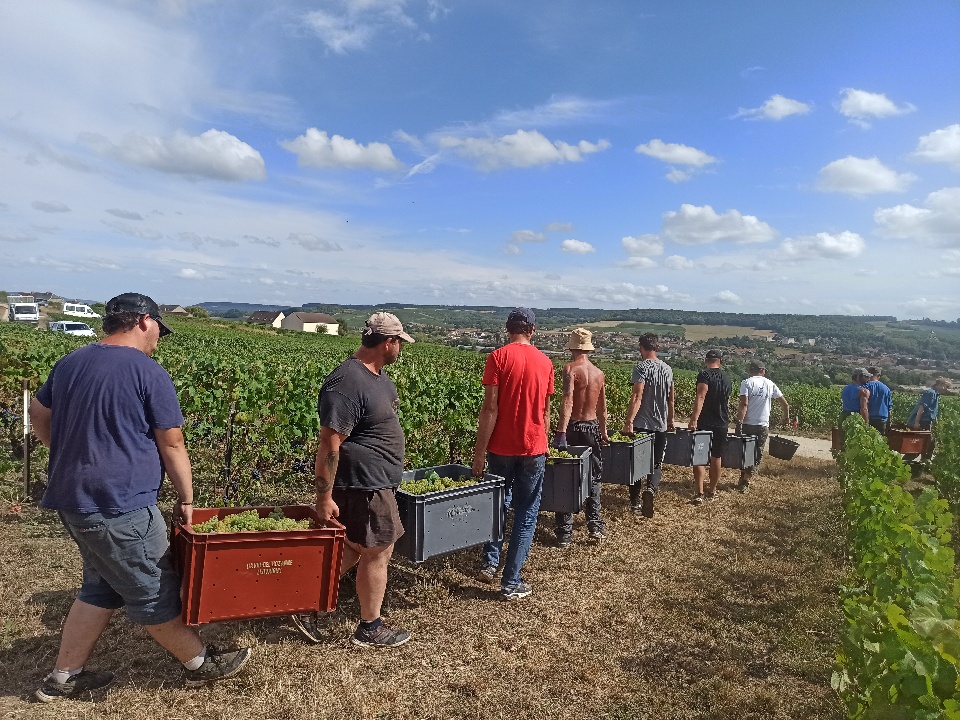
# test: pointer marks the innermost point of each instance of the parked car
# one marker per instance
(72, 328)
(78, 310)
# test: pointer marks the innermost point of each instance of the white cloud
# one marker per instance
(643, 245)
(355, 24)
(578, 247)
(861, 176)
(125, 214)
(559, 227)
(930, 307)
(18, 238)
(852, 309)
(941, 146)
(522, 149)
(824, 245)
(316, 149)
(860, 106)
(268, 241)
(129, 230)
(50, 207)
(637, 261)
(678, 262)
(938, 222)
(314, 243)
(527, 236)
(675, 154)
(563, 110)
(777, 107)
(728, 297)
(694, 225)
(678, 176)
(214, 154)
(512, 250)
(190, 274)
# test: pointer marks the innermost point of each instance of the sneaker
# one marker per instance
(710, 496)
(744, 486)
(311, 626)
(487, 574)
(520, 590)
(83, 681)
(564, 541)
(636, 508)
(218, 665)
(697, 499)
(384, 636)
(646, 503)
(597, 536)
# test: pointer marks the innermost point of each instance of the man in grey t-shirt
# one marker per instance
(650, 411)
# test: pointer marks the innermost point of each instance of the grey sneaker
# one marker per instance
(710, 496)
(646, 503)
(83, 681)
(384, 636)
(487, 574)
(313, 626)
(218, 665)
(515, 592)
(597, 535)
(697, 499)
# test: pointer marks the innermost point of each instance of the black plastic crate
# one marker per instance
(625, 463)
(566, 481)
(740, 452)
(688, 447)
(448, 520)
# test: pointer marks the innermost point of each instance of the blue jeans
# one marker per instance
(523, 483)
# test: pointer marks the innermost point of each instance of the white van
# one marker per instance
(79, 310)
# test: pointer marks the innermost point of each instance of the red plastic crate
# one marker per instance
(909, 441)
(244, 575)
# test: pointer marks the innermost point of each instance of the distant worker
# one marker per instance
(112, 421)
(711, 412)
(880, 402)
(358, 468)
(512, 439)
(925, 412)
(757, 393)
(650, 411)
(583, 421)
(855, 396)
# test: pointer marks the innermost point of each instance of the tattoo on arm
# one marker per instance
(325, 484)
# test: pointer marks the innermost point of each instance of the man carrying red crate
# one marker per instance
(358, 469)
(111, 418)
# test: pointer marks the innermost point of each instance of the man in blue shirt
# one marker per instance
(111, 418)
(924, 413)
(855, 397)
(880, 402)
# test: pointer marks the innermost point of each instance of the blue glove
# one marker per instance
(560, 440)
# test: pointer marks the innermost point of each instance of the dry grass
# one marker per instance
(724, 611)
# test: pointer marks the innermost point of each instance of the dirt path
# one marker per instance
(811, 447)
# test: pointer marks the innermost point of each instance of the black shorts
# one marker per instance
(370, 516)
(719, 440)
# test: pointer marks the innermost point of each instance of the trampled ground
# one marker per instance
(725, 611)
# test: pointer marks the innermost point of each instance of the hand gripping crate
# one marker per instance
(448, 520)
(688, 447)
(625, 463)
(566, 481)
(909, 442)
(245, 575)
(783, 448)
(739, 452)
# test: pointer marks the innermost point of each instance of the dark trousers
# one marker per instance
(653, 480)
(881, 424)
(761, 432)
(585, 432)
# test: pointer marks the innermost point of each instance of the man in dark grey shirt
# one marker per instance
(358, 469)
(650, 411)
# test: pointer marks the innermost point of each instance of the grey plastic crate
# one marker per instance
(688, 447)
(625, 463)
(740, 452)
(566, 481)
(442, 522)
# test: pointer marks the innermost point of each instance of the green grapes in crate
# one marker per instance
(563, 454)
(432, 482)
(250, 521)
(620, 437)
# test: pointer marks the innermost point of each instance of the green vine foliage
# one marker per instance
(946, 462)
(900, 652)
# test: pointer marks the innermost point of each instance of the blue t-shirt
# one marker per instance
(850, 395)
(880, 403)
(930, 401)
(106, 401)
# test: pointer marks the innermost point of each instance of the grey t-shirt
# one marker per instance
(657, 379)
(355, 402)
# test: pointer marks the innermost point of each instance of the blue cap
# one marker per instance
(523, 315)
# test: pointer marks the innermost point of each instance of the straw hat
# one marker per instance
(580, 339)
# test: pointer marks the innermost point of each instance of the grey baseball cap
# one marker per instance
(384, 323)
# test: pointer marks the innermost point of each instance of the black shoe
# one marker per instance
(83, 681)
(564, 541)
(646, 503)
(597, 535)
(520, 590)
(218, 665)
(384, 636)
(636, 508)
(313, 626)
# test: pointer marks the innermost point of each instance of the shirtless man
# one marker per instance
(584, 409)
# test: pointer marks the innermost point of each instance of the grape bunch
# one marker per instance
(432, 482)
(620, 437)
(554, 453)
(250, 521)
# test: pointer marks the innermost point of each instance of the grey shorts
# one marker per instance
(126, 563)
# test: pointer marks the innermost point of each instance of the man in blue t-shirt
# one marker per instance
(111, 418)
(924, 414)
(880, 402)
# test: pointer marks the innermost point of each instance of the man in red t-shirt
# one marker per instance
(512, 439)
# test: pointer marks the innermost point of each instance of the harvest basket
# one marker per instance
(245, 575)
(566, 481)
(448, 520)
(783, 448)
(625, 463)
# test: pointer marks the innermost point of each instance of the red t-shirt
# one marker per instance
(524, 376)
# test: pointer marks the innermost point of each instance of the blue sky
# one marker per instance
(747, 156)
